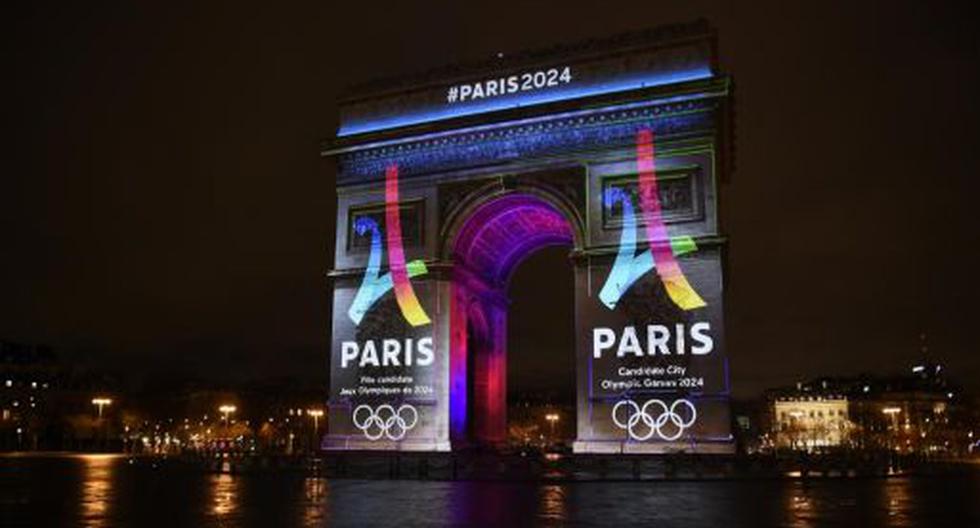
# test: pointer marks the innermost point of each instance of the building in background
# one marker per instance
(27, 374)
(49, 403)
(807, 421)
(917, 413)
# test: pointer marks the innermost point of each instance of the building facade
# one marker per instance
(921, 412)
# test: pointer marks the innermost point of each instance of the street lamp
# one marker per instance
(101, 402)
(316, 414)
(552, 419)
(892, 412)
(226, 410)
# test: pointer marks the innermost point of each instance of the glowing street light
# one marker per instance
(316, 414)
(101, 402)
(552, 419)
(226, 410)
(893, 413)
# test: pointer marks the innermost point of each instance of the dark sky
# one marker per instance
(163, 205)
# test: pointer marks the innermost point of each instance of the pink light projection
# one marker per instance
(678, 288)
(489, 246)
(404, 293)
(500, 234)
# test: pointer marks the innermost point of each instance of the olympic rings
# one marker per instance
(384, 421)
(650, 424)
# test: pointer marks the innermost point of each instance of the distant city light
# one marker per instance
(891, 410)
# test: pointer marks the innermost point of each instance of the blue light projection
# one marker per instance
(444, 111)
(530, 137)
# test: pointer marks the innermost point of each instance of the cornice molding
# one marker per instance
(582, 131)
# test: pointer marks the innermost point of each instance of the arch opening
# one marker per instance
(541, 382)
(493, 240)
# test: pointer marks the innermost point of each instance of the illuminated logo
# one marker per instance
(527, 81)
(385, 421)
(629, 266)
(642, 423)
(375, 285)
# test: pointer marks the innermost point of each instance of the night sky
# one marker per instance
(165, 211)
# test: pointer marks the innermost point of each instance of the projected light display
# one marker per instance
(678, 288)
(404, 292)
(382, 364)
(629, 266)
(385, 421)
(614, 157)
(374, 286)
(671, 356)
(654, 418)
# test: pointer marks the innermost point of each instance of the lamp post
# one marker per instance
(892, 412)
(225, 411)
(100, 403)
(316, 414)
(552, 419)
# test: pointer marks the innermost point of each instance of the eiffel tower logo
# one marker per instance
(374, 285)
(663, 250)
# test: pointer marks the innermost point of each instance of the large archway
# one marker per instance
(445, 184)
(493, 238)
